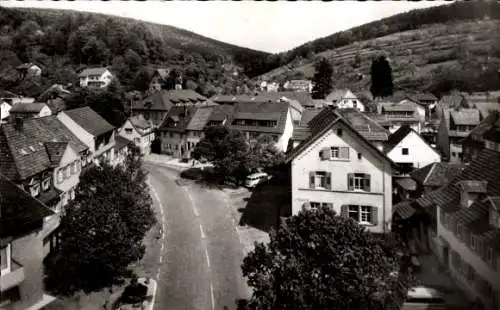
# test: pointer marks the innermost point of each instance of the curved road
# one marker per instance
(202, 253)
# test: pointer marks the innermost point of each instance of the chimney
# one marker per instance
(18, 123)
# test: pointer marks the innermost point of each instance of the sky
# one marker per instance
(267, 26)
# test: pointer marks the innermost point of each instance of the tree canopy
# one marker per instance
(102, 230)
(318, 260)
(381, 73)
(322, 79)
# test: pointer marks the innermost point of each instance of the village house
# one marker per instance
(344, 98)
(474, 143)
(183, 129)
(158, 79)
(95, 77)
(156, 106)
(29, 110)
(55, 98)
(28, 70)
(455, 125)
(22, 230)
(221, 116)
(266, 118)
(298, 86)
(269, 86)
(426, 101)
(336, 167)
(94, 131)
(399, 113)
(409, 150)
(140, 131)
(4, 111)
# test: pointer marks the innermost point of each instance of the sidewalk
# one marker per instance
(169, 161)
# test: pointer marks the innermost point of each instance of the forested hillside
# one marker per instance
(63, 42)
(455, 45)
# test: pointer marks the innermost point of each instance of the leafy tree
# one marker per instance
(142, 80)
(381, 74)
(264, 154)
(102, 231)
(174, 77)
(322, 79)
(318, 260)
(95, 51)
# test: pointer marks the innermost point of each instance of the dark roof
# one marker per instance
(303, 98)
(200, 118)
(18, 160)
(367, 127)
(308, 115)
(121, 142)
(163, 100)
(138, 121)
(89, 120)
(407, 184)
(486, 107)
(277, 111)
(27, 108)
(423, 97)
(453, 101)
(492, 120)
(404, 209)
(20, 213)
(465, 116)
(54, 91)
(437, 174)
(92, 71)
(328, 117)
(301, 133)
(221, 112)
(473, 186)
(56, 150)
(397, 137)
(56, 105)
(178, 118)
(493, 134)
(263, 97)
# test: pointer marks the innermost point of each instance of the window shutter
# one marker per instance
(329, 205)
(344, 152)
(374, 215)
(344, 211)
(350, 181)
(328, 180)
(311, 179)
(366, 184)
(324, 154)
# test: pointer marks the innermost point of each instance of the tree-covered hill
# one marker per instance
(455, 45)
(62, 42)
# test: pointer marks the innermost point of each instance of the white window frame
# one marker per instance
(363, 213)
(320, 178)
(60, 175)
(8, 255)
(35, 189)
(46, 184)
(357, 180)
(66, 172)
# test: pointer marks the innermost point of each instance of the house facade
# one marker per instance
(455, 125)
(29, 70)
(29, 110)
(140, 131)
(338, 168)
(298, 86)
(158, 79)
(95, 77)
(399, 113)
(409, 150)
(94, 131)
(344, 98)
(22, 249)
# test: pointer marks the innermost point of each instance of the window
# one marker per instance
(473, 242)
(72, 194)
(316, 205)
(46, 184)
(489, 255)
(128, 130)
(84, 160)
(459, 231)
(60, 175)
(73, 168)
(137, 141)
(320, 179)
(78, 165)
(339, 132)
(35, 190)
(335, 153)
(5, 259)
(471, 274)
(366, 215)
(66, 172)
(358, 181)
(405, 151)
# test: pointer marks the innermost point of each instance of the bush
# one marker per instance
(192, 174)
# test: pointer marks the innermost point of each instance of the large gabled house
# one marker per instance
(455, 125)
(156, 106)
(344, 98)
(22, 231)
(95, 77)
(94, 131)
(401, 112)
(337, 167)
(268, 118)
(140, 131)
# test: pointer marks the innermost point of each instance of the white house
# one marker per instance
(298, 85)
(94, 131)
(338, 168)
(140, 131)
(407, 148)
(4, 111)
(344, 98)
(95, 77)
(29, 110)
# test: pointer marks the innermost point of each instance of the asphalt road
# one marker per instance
(202, 252)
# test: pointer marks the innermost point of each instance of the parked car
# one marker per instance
(422, 297)
(254, 179)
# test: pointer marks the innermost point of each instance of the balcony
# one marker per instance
(13, 278)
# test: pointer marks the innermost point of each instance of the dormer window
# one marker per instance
(471, 190)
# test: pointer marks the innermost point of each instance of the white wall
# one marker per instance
(419, 152)
(45, 111)
(78, 131)
(371, 163)
(287, 132)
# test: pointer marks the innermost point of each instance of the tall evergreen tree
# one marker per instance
(381, 73)
(322, 79)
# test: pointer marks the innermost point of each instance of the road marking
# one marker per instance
(208, 258)
(195, 210)
(162, 247)
(161, 259)
(212, 295)
(202, 232)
